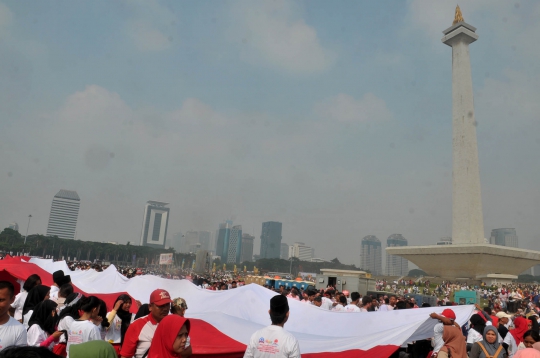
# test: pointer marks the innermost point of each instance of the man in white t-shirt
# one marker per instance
(12, 333)
(353, 306)
(274, 341)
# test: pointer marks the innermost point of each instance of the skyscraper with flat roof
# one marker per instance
(155, 223)
(396, 265)
(271, 240)
(64, 214)
(247, 247)
(371, 255)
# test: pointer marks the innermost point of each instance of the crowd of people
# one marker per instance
(55, 321)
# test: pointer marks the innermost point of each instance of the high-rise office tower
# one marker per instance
(64, 213)
(155, 223)
(371, 255)
(247, 247)
(396, 265)
(232, 248)
(271, 240)
(504, 237)
(222, 236)
(284, 251)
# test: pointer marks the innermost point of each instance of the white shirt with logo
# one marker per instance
(81, 332)
(272, 342)
(12, 333)
(352, 308)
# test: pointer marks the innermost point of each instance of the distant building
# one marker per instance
(13, 226)
(504, 237)
(202, 261)
(371, 255)
(64, 214)
(205, 239)
(445, 241)
(247, 247)
(229, 242)
(155, 223)
(222, 236)
(301, 251)
(396, 265)
(189, 240)
(271, 240)
(284, 251)
(175, 241)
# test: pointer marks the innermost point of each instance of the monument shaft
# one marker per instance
(467, 219)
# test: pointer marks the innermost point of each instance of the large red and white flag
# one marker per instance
(223, 321)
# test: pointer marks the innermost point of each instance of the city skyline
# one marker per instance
(339, 135)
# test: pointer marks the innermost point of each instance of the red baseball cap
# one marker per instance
(160, 297)
(448, 313)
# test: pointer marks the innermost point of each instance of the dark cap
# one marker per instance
(279, 305)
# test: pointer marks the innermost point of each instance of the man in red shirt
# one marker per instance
(140, 333)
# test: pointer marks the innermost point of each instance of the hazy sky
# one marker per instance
(333, 117)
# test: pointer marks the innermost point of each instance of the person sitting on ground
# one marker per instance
(12, 332)
(42, 325)
(17, 306)
(489, 346)
(279, 339)
(36, 295)
(171, 338)
(448, 340)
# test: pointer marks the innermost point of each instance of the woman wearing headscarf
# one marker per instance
(515, 336)
(478, 324)
(42, 331)
(36, 295)
(120, 318)
(170, 338)
(31, 282)
(489, 346)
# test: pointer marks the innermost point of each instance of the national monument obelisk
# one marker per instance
(469, 256)
(467, 219)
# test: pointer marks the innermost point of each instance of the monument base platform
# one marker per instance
(477, 261)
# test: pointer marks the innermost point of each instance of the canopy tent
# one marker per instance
(223, 321)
